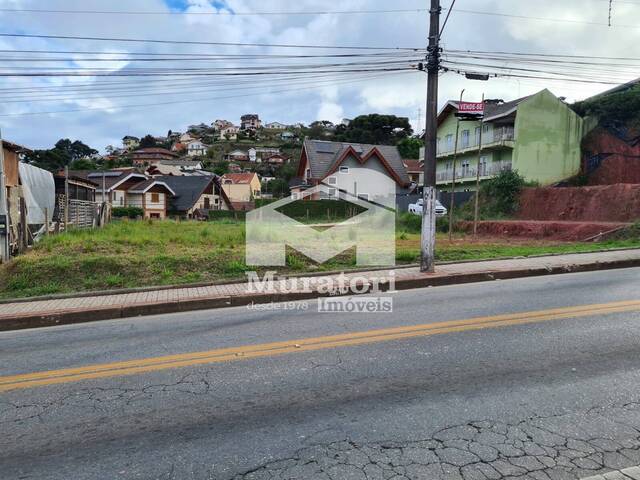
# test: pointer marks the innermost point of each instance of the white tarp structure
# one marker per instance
(39, 190)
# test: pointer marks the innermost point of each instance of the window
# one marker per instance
(449, 141)
(332, 180)
(332, 193)
(477, 135)
(466, 168)
(294, 196)
(307, 173)
(344, 169)
(448, 166)
(465, 138)
(483, 164)
(438, 145)
(155, 198)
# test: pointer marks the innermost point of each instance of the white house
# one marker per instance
(186, 138)
(196, 148)
(230, 132)
(276, 126)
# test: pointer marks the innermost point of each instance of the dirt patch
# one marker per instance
(542, 230)
(605, 203)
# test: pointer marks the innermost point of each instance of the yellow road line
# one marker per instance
(133, 367)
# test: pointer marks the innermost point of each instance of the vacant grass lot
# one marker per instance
(143, 253)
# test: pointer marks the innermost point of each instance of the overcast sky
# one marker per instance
(103, 122)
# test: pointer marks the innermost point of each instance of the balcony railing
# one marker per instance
(466, 173)
(497, 136)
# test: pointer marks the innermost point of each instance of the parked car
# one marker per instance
(416, 208)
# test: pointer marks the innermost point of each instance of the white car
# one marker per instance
(416, 208)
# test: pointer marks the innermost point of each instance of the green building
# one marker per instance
(539, 136)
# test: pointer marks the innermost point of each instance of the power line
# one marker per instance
(194, 42)
(545, 19)
(175, 102)
(444, 25)
(184, 91)
(220, 13)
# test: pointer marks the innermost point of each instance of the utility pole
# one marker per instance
(5, 253)
(452, 198)
(475, 208)
(428, 238)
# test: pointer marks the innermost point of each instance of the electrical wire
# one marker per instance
(195, 42)
(174, 102)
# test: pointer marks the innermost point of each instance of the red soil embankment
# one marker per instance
(604, 203)
(539, 230)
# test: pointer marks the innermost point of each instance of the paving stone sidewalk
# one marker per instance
(21, 314)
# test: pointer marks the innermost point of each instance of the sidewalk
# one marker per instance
(32, 314)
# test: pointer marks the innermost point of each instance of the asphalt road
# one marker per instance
(556, 397)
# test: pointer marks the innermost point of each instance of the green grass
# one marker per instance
(130, 254)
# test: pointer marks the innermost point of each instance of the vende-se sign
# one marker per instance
(471, 108)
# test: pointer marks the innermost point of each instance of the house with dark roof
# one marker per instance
(128, 188)
(537, 135)
(115, 184)
(145, 157)
(196, 194)
(152, 195)
(321, 159)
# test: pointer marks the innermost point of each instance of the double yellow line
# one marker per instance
(132, 367)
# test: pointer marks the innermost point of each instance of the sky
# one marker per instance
(102, 118)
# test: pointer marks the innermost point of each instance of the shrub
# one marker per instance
(409, 222)
(127, 212)
(226, 215)
(499, 196)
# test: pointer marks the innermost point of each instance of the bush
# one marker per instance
(226, 214)
(409, 222)
(127, 212)
(500, 195)
(321, 209)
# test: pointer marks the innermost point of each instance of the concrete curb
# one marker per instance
(127, 311)
(231, 281)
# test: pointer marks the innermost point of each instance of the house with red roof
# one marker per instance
(242, 189)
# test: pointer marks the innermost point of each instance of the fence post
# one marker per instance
(46, 221)
(66, 196)
(24, 236)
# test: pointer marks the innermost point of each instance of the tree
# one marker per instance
(320, 130)
(500, 195)
(278, 187)
(74, 150)
(148, 141)
(221, 168)
(53, 160)
(615, 109)
(83, 164)
(64, 153)
(410, 147)
(376, 129)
